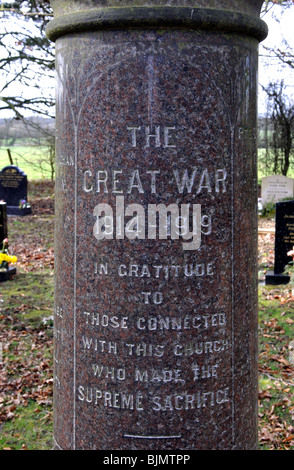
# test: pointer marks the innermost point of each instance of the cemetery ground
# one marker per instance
(26, 337)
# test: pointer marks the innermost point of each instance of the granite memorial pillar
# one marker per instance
(156, 224)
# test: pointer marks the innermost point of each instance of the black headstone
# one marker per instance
(13, 189)
(284, 242)
(3, 221)
(5, 274)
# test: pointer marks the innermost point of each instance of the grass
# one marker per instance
(276, 384)
(26, 329)
(35, 290)
(33, 160)
(33, 432)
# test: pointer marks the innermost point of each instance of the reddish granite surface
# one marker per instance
(155, 339)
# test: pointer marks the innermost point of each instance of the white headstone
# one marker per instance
(276, 188)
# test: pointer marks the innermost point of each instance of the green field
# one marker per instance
(34, 161)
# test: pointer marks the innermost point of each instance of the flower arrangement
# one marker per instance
(5, 257)
(23, 204)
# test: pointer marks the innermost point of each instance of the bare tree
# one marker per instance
(269, 4)
(26, 58)
(283, 51)
(280, 129)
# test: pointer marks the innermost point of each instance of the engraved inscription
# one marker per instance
(194, 338)
(197, 181)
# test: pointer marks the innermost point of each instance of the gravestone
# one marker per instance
(276, 188)
(3, 221)
(5, 274)
(284, 242)
(156, 224)
(13, 190)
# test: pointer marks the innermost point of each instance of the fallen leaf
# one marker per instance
(289, 438)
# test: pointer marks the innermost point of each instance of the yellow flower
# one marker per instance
(7, 258)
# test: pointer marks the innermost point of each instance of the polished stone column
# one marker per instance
(156, 224)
